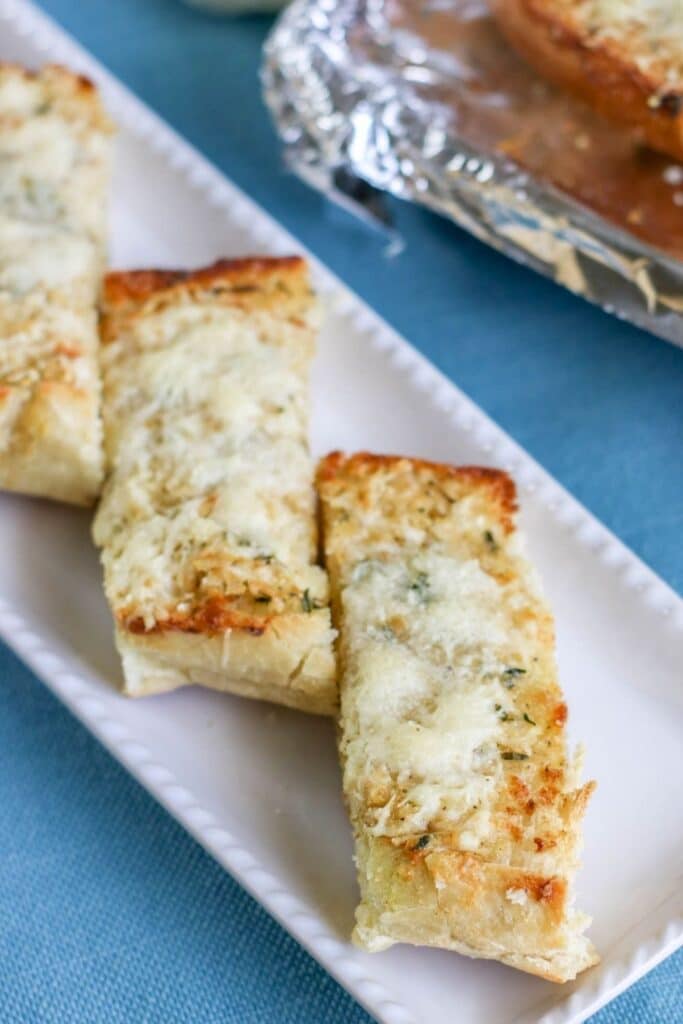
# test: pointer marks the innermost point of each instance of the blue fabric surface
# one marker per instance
(110, 912)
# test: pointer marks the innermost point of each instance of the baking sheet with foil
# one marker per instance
(424, 99)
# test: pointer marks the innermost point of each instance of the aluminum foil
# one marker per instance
(422, 99)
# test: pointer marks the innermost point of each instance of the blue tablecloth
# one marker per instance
(109, 911)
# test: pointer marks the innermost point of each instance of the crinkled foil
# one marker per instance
(370, 95)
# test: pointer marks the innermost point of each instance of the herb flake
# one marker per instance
(514, 755)
(419, 585)
(529, 720)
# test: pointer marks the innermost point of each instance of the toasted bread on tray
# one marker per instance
(54, 172)
(465, 805)
(624, 58)
(207, 521)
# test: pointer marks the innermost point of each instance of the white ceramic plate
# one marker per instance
(258, 786)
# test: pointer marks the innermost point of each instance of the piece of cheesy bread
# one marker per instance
(464, 804)
(623, 57)
(55, 142)
(207, 521)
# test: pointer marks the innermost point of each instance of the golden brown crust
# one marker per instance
(604, 71)
(73, 95)
(59, 70)
(212, 616)
(61, 76)
(337, 463)
(352, 470)
(254, 282)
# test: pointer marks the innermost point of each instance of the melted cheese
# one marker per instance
(53, 180)
(205, 418)
(239, 385)
(661, 19)
(151, 567)
(446, 603)
(20, 95)
(651, 29)
(423, 686)
(37, 149)
(33, 257)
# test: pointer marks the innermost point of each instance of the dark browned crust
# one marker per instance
(601, 72)
(126, 290)
(211, 616)
(338, 465)
(74, 95)
(81, 82)
(216, 612)
(258, 283)
(210, 619)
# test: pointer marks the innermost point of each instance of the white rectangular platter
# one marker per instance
(259, 786)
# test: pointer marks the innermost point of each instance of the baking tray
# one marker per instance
(423, 99)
